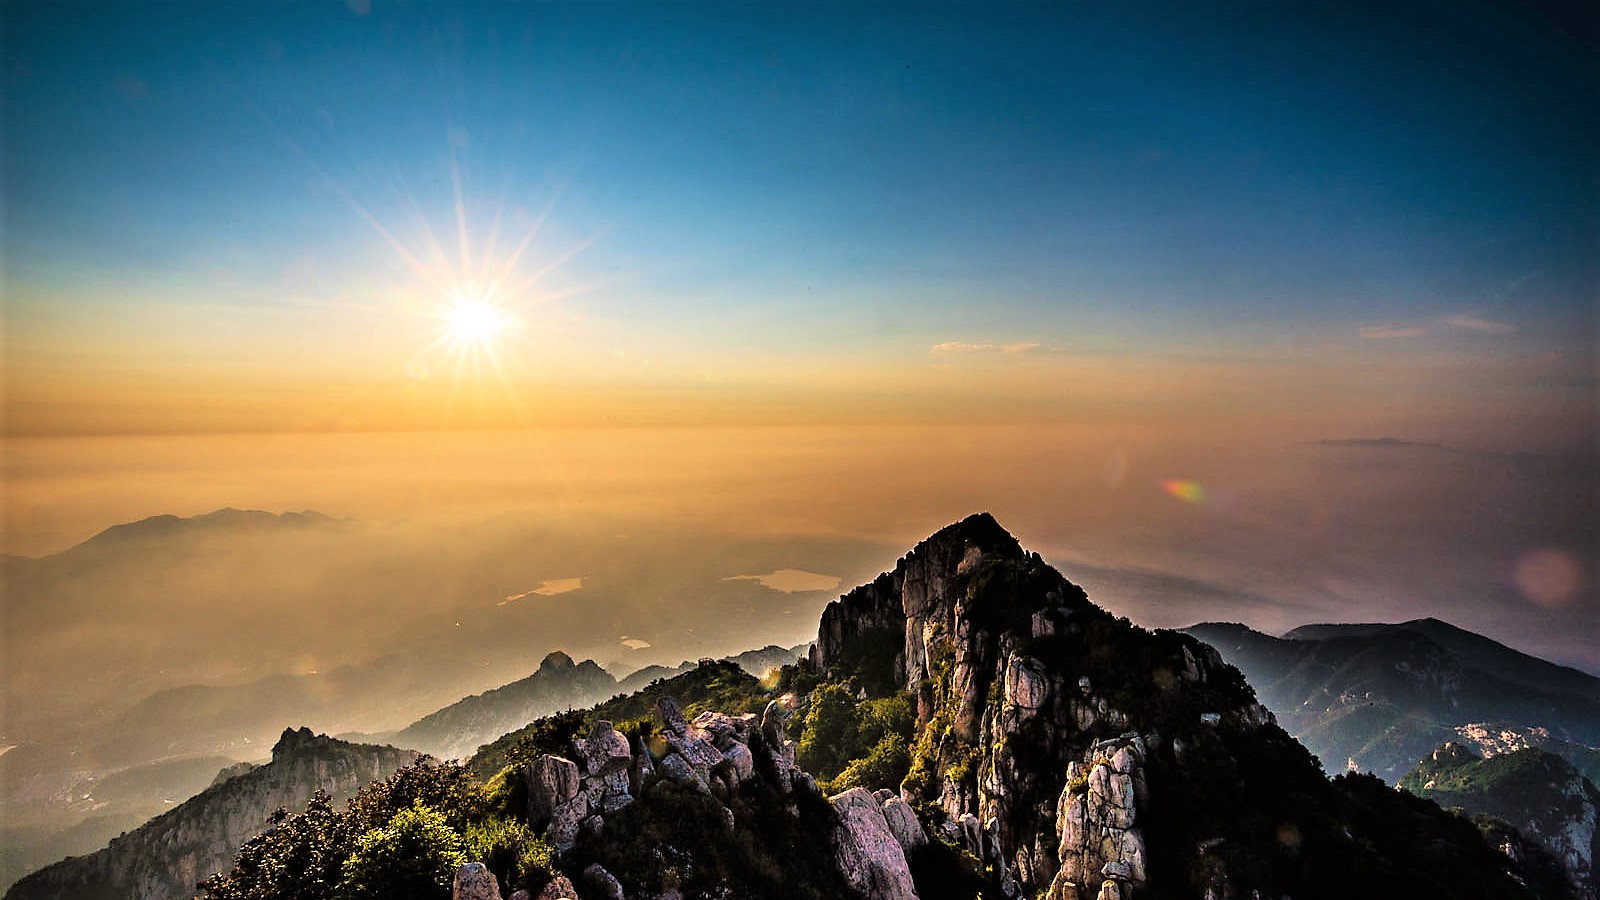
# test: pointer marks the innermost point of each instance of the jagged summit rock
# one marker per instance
(867, 631)
(556, 661)
(295, 740)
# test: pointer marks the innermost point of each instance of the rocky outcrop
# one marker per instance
(166, 857)
(870, 853)
(714, 754)
(560, 888)
(601, 883)
(1097, 820)
(474, 881)
(1072, 754)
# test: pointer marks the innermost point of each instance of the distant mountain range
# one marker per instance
(1378, 698)
(458, 730)
(223, 521)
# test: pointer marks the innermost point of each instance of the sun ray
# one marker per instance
(461, 211)
(511, 262)
(425, 228)
(554, 264)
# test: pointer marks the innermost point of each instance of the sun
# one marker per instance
(474, 321)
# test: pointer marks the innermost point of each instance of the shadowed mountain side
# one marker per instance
(1539, 793)
(1486, 655)
(153, 532)
(1380, 697)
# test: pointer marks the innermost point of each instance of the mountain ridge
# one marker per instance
(158, 527)
(1380, 697)
(1488, 654)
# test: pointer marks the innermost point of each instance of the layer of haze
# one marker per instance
(1168, 525)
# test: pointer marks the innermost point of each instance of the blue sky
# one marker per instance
(808, 180)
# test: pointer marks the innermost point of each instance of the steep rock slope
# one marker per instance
(1079, 756)
(165, 858)
(1379, 697)
(1540, 793)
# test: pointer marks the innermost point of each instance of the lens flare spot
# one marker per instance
(1550, 578)
(1187, 491)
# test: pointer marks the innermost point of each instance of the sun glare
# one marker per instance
(474, 321)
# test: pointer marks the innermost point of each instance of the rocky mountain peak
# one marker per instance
(1057, 743)
(978, 530)
(297, 740)
(880, 630)
(1450, 754)
(556, 661)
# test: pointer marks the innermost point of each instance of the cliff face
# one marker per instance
(166, 857)
(1076, 755)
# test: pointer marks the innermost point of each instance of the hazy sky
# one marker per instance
(1129, 263)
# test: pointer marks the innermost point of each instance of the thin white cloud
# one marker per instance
(634, 643)
(1012, 348)
(1391, 332)
(1479, 325)
(964, 347)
